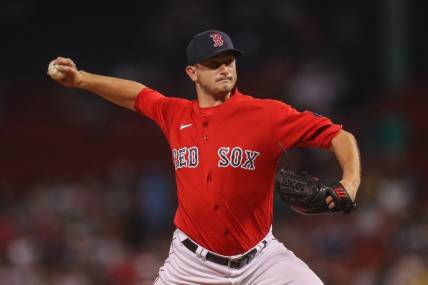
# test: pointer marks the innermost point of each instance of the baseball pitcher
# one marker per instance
(225, 146)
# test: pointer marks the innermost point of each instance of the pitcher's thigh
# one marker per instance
(184, 267)
(279, 266)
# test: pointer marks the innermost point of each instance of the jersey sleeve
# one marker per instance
(157, 107)
(302, 129)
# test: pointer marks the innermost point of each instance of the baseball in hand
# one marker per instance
(54, 73)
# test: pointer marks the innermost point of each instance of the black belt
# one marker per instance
(230, 262)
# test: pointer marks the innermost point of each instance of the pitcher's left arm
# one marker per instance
(345, 148)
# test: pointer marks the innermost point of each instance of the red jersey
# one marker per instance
(225, 162)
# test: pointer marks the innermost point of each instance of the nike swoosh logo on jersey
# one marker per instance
(184, 126)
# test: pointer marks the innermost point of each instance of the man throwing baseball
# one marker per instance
(225, 146)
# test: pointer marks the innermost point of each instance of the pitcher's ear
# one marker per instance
(191, 72)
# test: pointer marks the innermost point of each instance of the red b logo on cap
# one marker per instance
(217, 39)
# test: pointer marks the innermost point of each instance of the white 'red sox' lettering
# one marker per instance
(188, 157)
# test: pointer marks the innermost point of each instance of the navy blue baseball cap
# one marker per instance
(208, 44)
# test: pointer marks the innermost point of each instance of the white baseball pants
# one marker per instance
(273, 264)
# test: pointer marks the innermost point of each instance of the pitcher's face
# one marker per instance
(216, 75)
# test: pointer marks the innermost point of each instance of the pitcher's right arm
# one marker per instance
(119, 91)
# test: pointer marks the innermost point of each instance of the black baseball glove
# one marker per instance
(306, 194)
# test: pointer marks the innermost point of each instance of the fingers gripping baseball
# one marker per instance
(64, 71)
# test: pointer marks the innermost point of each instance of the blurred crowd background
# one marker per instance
(87, 191)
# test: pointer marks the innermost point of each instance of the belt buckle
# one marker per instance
(246, 258)
(243, 259)
(229, 262)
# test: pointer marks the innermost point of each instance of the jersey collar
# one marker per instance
(234, 96)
